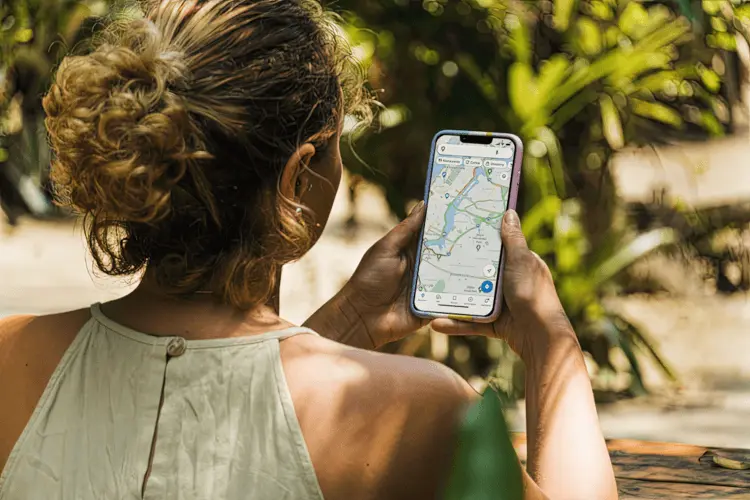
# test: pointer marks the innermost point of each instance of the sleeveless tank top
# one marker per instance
(219, 412)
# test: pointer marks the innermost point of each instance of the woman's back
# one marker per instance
(218, 412)
(127, 414)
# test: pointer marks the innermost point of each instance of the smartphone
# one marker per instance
(472, 179)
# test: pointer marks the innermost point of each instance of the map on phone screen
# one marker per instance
(461, 248)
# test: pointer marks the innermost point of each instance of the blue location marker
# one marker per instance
(448, 254)
(486, 286)
(446, 196)
(444, 174)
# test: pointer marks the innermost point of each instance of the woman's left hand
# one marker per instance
(373, 307)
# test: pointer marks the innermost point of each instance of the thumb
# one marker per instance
(513, 239)
(404, 233)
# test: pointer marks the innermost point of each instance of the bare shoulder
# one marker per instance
(362, 365)
(30, 349)
(30, 336)
(390, 421)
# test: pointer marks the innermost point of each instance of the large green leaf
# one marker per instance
(563, 12)
(611, 123)
(632, 251)
(656, 111)
(469, 66)
(555, 158)
(640, 338)
(519, 39)
(675, 31)
(485, 465)
(711, 80)
(601, 10)
(617, 334)
(552, 72)
(658, 15)
(522, 90)
(588, 36)
(637, 64)
(659, 81)
(710, 123)
(633, 20)
(542, 213)
(584, 75)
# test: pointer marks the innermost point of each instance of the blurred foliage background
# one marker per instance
(578, 80)
(34, 36)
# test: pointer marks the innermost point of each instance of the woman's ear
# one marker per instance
(294, 178)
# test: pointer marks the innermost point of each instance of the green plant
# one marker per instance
(485, 465)
(554, 229)
(34, 36)
(726, 20)
(578, 80)
(619, 69)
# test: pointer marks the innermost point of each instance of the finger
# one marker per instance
(402, 236)
(453, 327)
(512, 235)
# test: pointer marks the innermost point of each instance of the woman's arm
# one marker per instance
(373, 307)
(567, 454)
(568, 457)
(339, 320)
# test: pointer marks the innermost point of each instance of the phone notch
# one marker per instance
(477, 139)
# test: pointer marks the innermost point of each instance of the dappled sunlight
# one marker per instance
(635, 123)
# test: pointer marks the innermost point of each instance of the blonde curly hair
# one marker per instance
(170, 138)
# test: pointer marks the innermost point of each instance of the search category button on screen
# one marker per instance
(442, 160)
(496, 163)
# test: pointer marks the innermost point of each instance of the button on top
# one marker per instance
(176, 347)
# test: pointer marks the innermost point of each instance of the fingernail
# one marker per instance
(417, 208)
(511, 217)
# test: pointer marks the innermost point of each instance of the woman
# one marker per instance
(202, 146)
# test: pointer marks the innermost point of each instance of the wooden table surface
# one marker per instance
(670, 471)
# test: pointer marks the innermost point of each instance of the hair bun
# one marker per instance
(122, 137)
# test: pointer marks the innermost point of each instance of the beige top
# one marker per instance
(226, 428)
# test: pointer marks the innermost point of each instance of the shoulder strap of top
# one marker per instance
(99, 316)
(288, 332)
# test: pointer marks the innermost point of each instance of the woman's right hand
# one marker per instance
(567, 455)
(533, 318)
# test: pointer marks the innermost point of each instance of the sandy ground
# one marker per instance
(43, 268)
(706, 341)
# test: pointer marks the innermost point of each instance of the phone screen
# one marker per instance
(469, 191)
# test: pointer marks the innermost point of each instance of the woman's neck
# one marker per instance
(194, 317)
